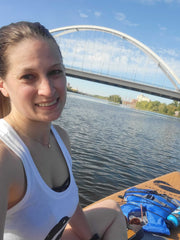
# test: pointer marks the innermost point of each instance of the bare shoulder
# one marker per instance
(12, 176)
(11, 168)
(4, 157)
(4, 187)
(65, 137)
(6, 164)
(5, 177)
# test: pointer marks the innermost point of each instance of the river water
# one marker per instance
(114, 147)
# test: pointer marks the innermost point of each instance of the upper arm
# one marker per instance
(4, 187)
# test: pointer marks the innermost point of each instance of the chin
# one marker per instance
(53, 117)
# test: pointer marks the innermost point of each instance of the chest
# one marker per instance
(51, 165)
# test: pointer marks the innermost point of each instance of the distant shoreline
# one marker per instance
(172, 109)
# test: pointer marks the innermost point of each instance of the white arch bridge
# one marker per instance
(85, 51)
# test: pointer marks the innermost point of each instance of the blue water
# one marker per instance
(114, 147)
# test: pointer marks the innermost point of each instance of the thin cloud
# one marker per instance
(171, 57)
(121, 17)
(86, 15)
(97, 13)
(162, 28)
(177, 39)
(116, 59)
(83, 15)
(168, 53)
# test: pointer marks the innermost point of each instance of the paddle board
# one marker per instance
(168, 184)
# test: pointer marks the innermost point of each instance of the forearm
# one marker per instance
(79, 224)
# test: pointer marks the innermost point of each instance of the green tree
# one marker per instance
(175, 103)
(115, 98)
(171, 109)
(142, 105)
(163, 108)
(155, 106)
(178, 106)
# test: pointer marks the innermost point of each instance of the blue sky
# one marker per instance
(153, 22)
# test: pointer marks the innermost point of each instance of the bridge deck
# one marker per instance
(174, 95)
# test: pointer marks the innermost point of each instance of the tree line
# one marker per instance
(112, 98)
(115, 98)
(172, 109)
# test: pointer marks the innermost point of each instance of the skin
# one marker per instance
(38, 78)
(36, 86)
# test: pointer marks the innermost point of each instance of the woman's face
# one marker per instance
(35, 82)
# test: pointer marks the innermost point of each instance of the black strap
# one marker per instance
(95, 237)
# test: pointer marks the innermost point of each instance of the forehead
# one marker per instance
(33, 50)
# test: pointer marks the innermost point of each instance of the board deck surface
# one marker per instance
(168, 184)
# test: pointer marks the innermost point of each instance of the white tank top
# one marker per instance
(42, 214)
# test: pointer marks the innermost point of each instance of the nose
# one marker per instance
(46, 87)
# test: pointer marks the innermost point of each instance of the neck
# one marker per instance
(31, 130)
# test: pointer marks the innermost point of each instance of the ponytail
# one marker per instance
(4, 106)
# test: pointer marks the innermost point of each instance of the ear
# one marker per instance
(3, 89)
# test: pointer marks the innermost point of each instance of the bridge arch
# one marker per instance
(164, 67)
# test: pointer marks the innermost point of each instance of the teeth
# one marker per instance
(46, 104)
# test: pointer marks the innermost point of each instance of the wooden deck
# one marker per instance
(168, 184)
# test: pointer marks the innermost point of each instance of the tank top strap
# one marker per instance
(62, 146)
(9, 136)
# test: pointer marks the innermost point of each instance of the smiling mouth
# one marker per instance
(48, 104)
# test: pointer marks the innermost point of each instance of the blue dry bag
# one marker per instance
(150, 208)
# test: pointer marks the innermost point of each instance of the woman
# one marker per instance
(39, 196)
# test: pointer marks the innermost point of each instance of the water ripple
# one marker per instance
(114, 148)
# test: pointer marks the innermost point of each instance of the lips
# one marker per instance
(47, 104)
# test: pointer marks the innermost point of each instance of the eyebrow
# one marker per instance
(26, 69)
(58, 64)
(29, 69)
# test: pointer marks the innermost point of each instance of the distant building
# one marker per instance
(134, 101)
(177, 113)
(142, 98)
(68, 85)
(69, 88)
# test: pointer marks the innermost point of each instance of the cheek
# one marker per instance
(61, 85)
(25, 93)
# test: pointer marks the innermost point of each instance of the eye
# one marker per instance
(28, 77)
(56, 72)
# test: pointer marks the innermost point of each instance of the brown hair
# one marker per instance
(11, 35)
